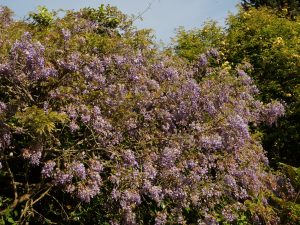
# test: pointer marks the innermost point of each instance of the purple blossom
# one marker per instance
(85, 118)
(47, 170)
(33, 55)
(161, 218)
(5, 69)
(210, 220)
(95, 165)
(149, 171)
(230, 181)
(213, 142)
(62, 178)
(70, 188)
(3, 107)
(73, 126)
(229, 215)
(78, 170)
(34, 156)
(87, 191)
(66, 34)
(5, 140)
(154, 192)
(169, 156)
(129, 158)
(241, 73)
(272, 111)
(213, 52)
(72, 63)
(130, 197)
(203, 61)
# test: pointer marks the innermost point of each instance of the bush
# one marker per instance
(126, 133)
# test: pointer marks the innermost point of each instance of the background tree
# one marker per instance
(292, 6)
(190, 44)
(271, 44)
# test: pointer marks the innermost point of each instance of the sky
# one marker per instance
(163, 16)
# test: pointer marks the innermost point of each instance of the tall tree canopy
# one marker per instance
(292, 6)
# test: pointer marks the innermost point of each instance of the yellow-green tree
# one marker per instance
(271, 43)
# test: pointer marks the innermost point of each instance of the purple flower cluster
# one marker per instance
(34, 155)
(143, 127)
(48, 169)
(33, 56)
(2, 107)
(66, 34)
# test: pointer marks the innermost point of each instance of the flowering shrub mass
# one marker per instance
(93, 115)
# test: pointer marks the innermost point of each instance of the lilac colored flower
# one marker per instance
(153, 85)
(115, 194)
(245, 79)
(47, 170)
(171, 74)
(240, 126)
(72, 63)
(241, 73)
(97, 111)
(213, 142)
(78, 170)
(62, 178)
(129, 158)
(66, 34)
(210, 220)
(3, 107)
(5, 140)
(161, 218)
(213, 52)
(149, 171)
(94, 177)
(203, 60)
(34, 156)
(48, 72)
(5, 69)
(87, 191)
(154, 192)
(85, 118)
(230, 181)
(73, 126)
(229, 215)
(169, 156)
(131, 197)
(33, 55)
(46, 107)
(119, 60)
(272, 111)
(95, 165)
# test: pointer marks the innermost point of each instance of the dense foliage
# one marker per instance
(99, 127)
(190, 44)
(291, 6)
(270, 42)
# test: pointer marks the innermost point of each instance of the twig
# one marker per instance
(139, 16)
(59, 205)
(12, 180)
(41, 196)
(48, 221)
